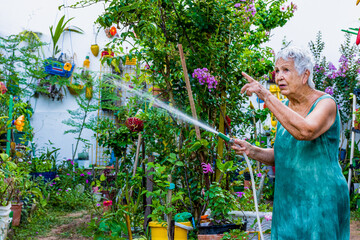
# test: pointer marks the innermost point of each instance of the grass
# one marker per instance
(42, 223)
(355, 215)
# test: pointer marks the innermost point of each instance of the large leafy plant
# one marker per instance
(221, 38)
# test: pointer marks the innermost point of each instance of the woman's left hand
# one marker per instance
(254, 86)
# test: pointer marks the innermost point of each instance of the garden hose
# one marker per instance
(231, 141)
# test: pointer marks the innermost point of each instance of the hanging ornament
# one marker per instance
(95, 49)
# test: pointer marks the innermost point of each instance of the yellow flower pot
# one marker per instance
(159, 231)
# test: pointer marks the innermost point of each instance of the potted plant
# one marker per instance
(45, 164)
(220, 203)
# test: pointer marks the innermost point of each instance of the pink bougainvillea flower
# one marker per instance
(19, 123)
(240, 194)
(268, 217)
(134, 124)
(207, 168)
(107, 203)
(259, 175)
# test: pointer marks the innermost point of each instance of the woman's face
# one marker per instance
(286, 76)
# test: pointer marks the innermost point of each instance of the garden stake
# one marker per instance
(137, 154)
(188, 87)
(193, 110)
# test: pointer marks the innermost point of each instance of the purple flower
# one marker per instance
(57, 193)
(240, 194)
(331, 66)
(88, 173)
(29, 162)
(237, 5)
(72, 163)
(205, 77)
(259, 175)
(68, 174)
(59, 189)
(66, 190)
(98, 204)
(329, 90)
(87, 181)
(40, 175)
(81, 175)
(207, 168)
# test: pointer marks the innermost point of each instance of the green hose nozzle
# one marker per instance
(224, 137)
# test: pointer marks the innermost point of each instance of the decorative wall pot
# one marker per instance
(95, 49)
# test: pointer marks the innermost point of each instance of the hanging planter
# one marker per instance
(56, 67)
(95, 49)
(89, 92)
(75, 88)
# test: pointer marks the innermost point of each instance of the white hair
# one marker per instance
(302, 61)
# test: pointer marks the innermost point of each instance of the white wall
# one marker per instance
(329, 16)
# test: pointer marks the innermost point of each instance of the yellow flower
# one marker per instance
(19, 123)
(67, 66)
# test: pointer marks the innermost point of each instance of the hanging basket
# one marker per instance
(75, 88)
(55, 67)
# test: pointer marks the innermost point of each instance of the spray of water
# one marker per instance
(176, 112)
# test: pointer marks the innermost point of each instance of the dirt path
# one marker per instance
(354, 230)
(80, 219)
(69, 231)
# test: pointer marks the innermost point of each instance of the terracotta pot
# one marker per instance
(16, 208)
(210, 237)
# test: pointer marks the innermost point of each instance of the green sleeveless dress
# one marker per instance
(311, 199)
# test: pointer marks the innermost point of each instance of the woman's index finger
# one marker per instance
(250, 79)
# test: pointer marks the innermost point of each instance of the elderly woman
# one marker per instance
(311, 200)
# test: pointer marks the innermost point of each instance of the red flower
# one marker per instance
(107, 203)
(228, 120)
(134, 124)
(358, 38)
(113, 31)
(3, 88)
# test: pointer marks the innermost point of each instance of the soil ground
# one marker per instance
(69, 231)
(355, 230)
(80, 219)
